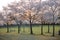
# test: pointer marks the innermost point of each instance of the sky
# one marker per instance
(5, 2)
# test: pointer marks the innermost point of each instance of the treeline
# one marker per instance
(26, 25)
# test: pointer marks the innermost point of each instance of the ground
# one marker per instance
(25, 33)
(27, 37)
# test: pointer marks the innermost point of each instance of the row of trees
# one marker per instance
(31, 12)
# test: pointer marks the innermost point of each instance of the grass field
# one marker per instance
(36, 29)
(25, 33)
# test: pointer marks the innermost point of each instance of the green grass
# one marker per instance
(13, 34)
(36, 29)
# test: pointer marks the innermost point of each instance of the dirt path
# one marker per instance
(27, 37)
(36, 37)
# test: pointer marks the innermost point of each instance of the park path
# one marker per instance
(27, 37)
(35, 37)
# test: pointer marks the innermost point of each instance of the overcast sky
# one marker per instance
(5, 2)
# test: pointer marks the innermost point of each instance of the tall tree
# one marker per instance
(53, 4)
(5, 9)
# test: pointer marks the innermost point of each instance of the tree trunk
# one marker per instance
(53, 30)
(31, 32)
(41, 29)
(18, 28)
(19, 25)
(48, 28)
(42, 25)
(53, 27)
(7, 28)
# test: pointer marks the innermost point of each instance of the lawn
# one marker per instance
(36, 29)
(25, 33)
